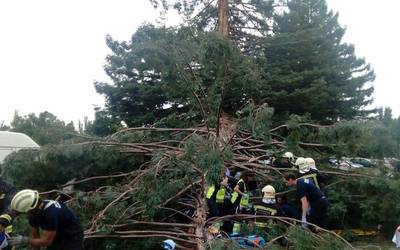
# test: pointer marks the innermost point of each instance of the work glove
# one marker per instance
(304, 222)
(18, 240)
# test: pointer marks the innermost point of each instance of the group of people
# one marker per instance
(231, 194)
(52, 224)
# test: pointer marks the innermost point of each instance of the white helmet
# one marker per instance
(301, 163)
(25, 200)
(269, 191)
(311, 163)
(289, 156)
(168, 244)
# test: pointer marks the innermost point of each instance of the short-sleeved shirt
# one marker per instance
(55, 216)
(308, 190)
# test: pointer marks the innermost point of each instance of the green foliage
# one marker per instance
(310, 70)
(103, 124)
(257, 120)
(43, 129)
(163, 71)
(303, 239)
(59, 164)
(206, 155)
(361, 138)
(223, 244)
(248, 20)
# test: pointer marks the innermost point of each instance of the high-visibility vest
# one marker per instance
(7, 217)
(310, 178)
(220, 194)
(236, 228)
(244, 201)
(263, 210)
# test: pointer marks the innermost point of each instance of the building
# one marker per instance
(12, 142)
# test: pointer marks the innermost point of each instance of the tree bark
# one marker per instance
(223, 17)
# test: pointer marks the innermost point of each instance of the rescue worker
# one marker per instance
(7, 215)
(312, 201)
(215, 197)
(308, 172)
(240, 196)
(286, 161)
(286, 209)
(265, 207)
(60, 227)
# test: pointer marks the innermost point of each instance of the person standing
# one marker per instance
(240, 196)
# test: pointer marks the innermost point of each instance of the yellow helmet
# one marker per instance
(301, 163)
(269, 191)
(25, 200)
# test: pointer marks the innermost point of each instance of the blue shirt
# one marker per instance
(308, 190)
(55, 216)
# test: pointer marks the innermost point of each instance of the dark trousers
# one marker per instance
(213, 210)
(74, 242)
(318, 213)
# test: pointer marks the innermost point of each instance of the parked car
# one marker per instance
(362, 161)
(344, 163)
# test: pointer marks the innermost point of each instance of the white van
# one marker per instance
(12, 142)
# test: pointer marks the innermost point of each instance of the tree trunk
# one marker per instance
(223, 17)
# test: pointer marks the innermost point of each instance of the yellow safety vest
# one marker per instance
(220, 194)
(263, 210)
(7, 217)
(236, 228)
(311, 178)
(244, 201)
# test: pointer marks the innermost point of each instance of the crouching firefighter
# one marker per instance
(267, 206)
(60, 228)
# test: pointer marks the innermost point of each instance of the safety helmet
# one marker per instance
(311, 163)
(301, 163)
(25, 200)
(269, 191)
(289, 156)
(168, 244)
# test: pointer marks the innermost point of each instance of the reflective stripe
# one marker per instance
(236, 228)
(221, 195)
(244, 201)
(210, 191)
(6, 217)
(312, 177)
(2, 196)
(55, 203)
(9, 229)
(263, 210)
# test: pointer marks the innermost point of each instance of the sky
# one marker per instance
(51, 52)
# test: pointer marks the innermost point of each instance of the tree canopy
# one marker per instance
(301, 66)
(44, 129)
